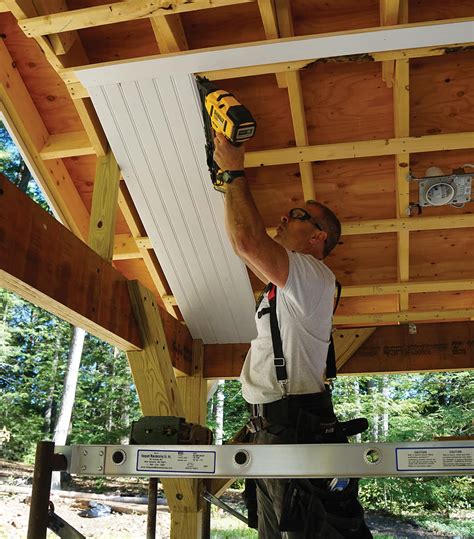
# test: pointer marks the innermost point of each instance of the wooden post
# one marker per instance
(193, 393)
(158, 392)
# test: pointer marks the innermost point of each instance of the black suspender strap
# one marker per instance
(331, 370)
(278, 359)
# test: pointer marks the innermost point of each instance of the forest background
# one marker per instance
(36, 349)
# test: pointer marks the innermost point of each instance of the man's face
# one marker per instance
(299, 234)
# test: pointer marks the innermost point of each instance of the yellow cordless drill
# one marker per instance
(222, 113)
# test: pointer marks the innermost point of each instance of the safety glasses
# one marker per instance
(303, 215)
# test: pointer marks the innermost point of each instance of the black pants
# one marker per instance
(271, 493)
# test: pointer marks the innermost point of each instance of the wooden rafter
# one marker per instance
(403, 317)
(85, 110)
(113, 13)
(30, 133)
(268, 13)
(366, 148)
(169, 33)
(400, 72)
(136, 228)
(63, 41)
(67, 145)
(383, 289)
(389, 13)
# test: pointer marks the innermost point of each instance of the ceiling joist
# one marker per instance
(67, 145)
(366, 148)
(128, 10)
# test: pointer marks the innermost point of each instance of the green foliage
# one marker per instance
(33, 359)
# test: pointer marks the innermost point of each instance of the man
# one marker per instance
(284, 405)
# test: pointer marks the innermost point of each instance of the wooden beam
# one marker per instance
(269, 18)
(298, 116)
(268, 13)
(23, 9)
(397, 74)
(113, 13)
(366, 148)
(401, 106)
(3, 7)
(63, 41)
(136, 228)
(414, 287)
(285, 67)
(104, 206)
(401, 317)
(30, 135)
(125, 247)
(46, 264)
(92, 125)
(169, 33)
(389, 11)
(434, 347)
(64, 145)
(347, 342)
(383, 226)
(383, 289)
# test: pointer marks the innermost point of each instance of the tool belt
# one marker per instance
(312, 416)
(286, 411)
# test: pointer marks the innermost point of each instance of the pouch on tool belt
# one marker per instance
(309, 507)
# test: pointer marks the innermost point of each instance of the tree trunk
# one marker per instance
(372, 387)
(220, 412)
(69, 394)
(385, 398)
(357, 406)
(50, 403)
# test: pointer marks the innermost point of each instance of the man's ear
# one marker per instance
(320, 235)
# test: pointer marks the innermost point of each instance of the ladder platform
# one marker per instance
(404, 459)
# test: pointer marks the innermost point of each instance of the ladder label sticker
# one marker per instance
(411, 459)
(189, 462)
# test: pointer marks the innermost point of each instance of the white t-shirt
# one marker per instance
(304, 312)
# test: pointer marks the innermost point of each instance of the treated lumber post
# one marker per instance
(104, 206)
(193, 392)
(158, 393)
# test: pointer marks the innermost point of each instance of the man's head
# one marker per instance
(312, 228)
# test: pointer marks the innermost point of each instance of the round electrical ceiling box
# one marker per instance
(440, 194)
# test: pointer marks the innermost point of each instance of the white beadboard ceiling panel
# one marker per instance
(155, 130)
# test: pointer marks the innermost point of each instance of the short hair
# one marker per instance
(331, 225)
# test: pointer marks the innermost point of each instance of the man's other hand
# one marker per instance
(227, 156)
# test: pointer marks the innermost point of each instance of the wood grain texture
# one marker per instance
(46, 264)
(158, 392)
(28, 127)
(46, 89)
(104, 206)
(434, 347)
